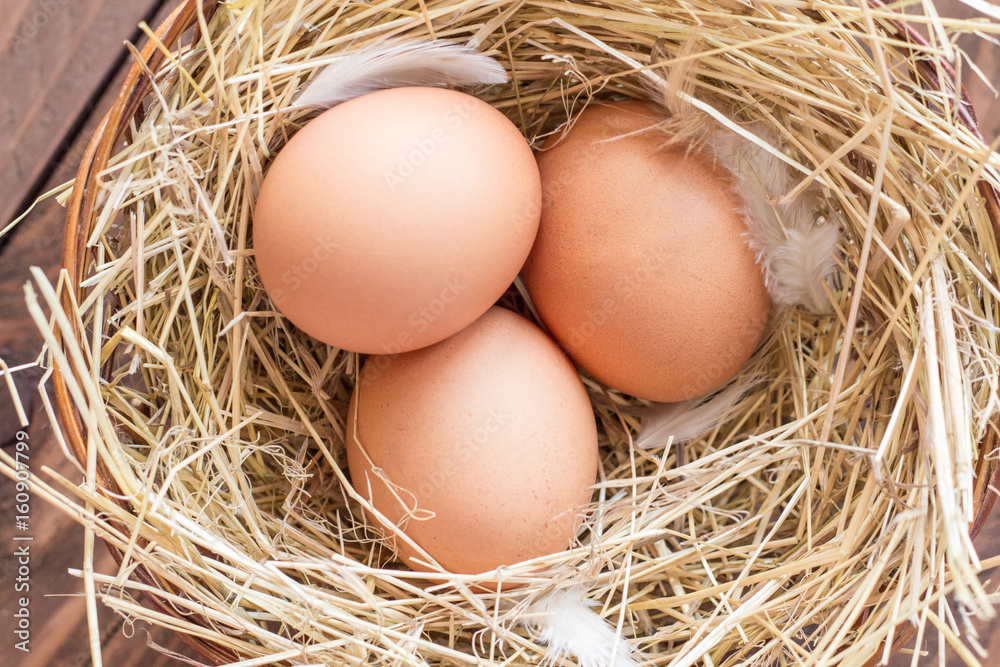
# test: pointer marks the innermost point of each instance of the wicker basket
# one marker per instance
(78, 260)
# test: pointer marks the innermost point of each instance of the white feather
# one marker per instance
(691, 419)
(802, 264)
(399, 64)
(795, 239)
(564, 622)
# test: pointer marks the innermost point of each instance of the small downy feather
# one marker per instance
(564, 622)
(795, 239)
(802, 264)
(691, 419)
(392, 65)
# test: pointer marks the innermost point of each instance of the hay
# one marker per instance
(829, 511)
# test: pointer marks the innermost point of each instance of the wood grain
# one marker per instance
(55, 56)
(54, 76)
(985, 56)
(55, 53)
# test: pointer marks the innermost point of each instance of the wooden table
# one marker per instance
(61, 61)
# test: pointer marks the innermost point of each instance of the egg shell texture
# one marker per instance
(395, 219)
(641, 268)
(488, 438)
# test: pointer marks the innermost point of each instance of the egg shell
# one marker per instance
(641, 268)
(488, 437)
(395, 219)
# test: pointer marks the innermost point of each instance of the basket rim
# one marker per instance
(81, 211)
(83, 208)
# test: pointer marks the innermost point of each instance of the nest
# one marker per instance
(821, 523)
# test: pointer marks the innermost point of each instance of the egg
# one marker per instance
(641, 269)
(482, 448)
(395, 219)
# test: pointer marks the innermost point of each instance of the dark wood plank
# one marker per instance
(37, 244)
(59, 56)
(987, 545)
(60, 627)
(54, 54)
(985, 56)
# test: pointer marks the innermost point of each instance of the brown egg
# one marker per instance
(397, 218)
(488, 440)
(640, 269)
